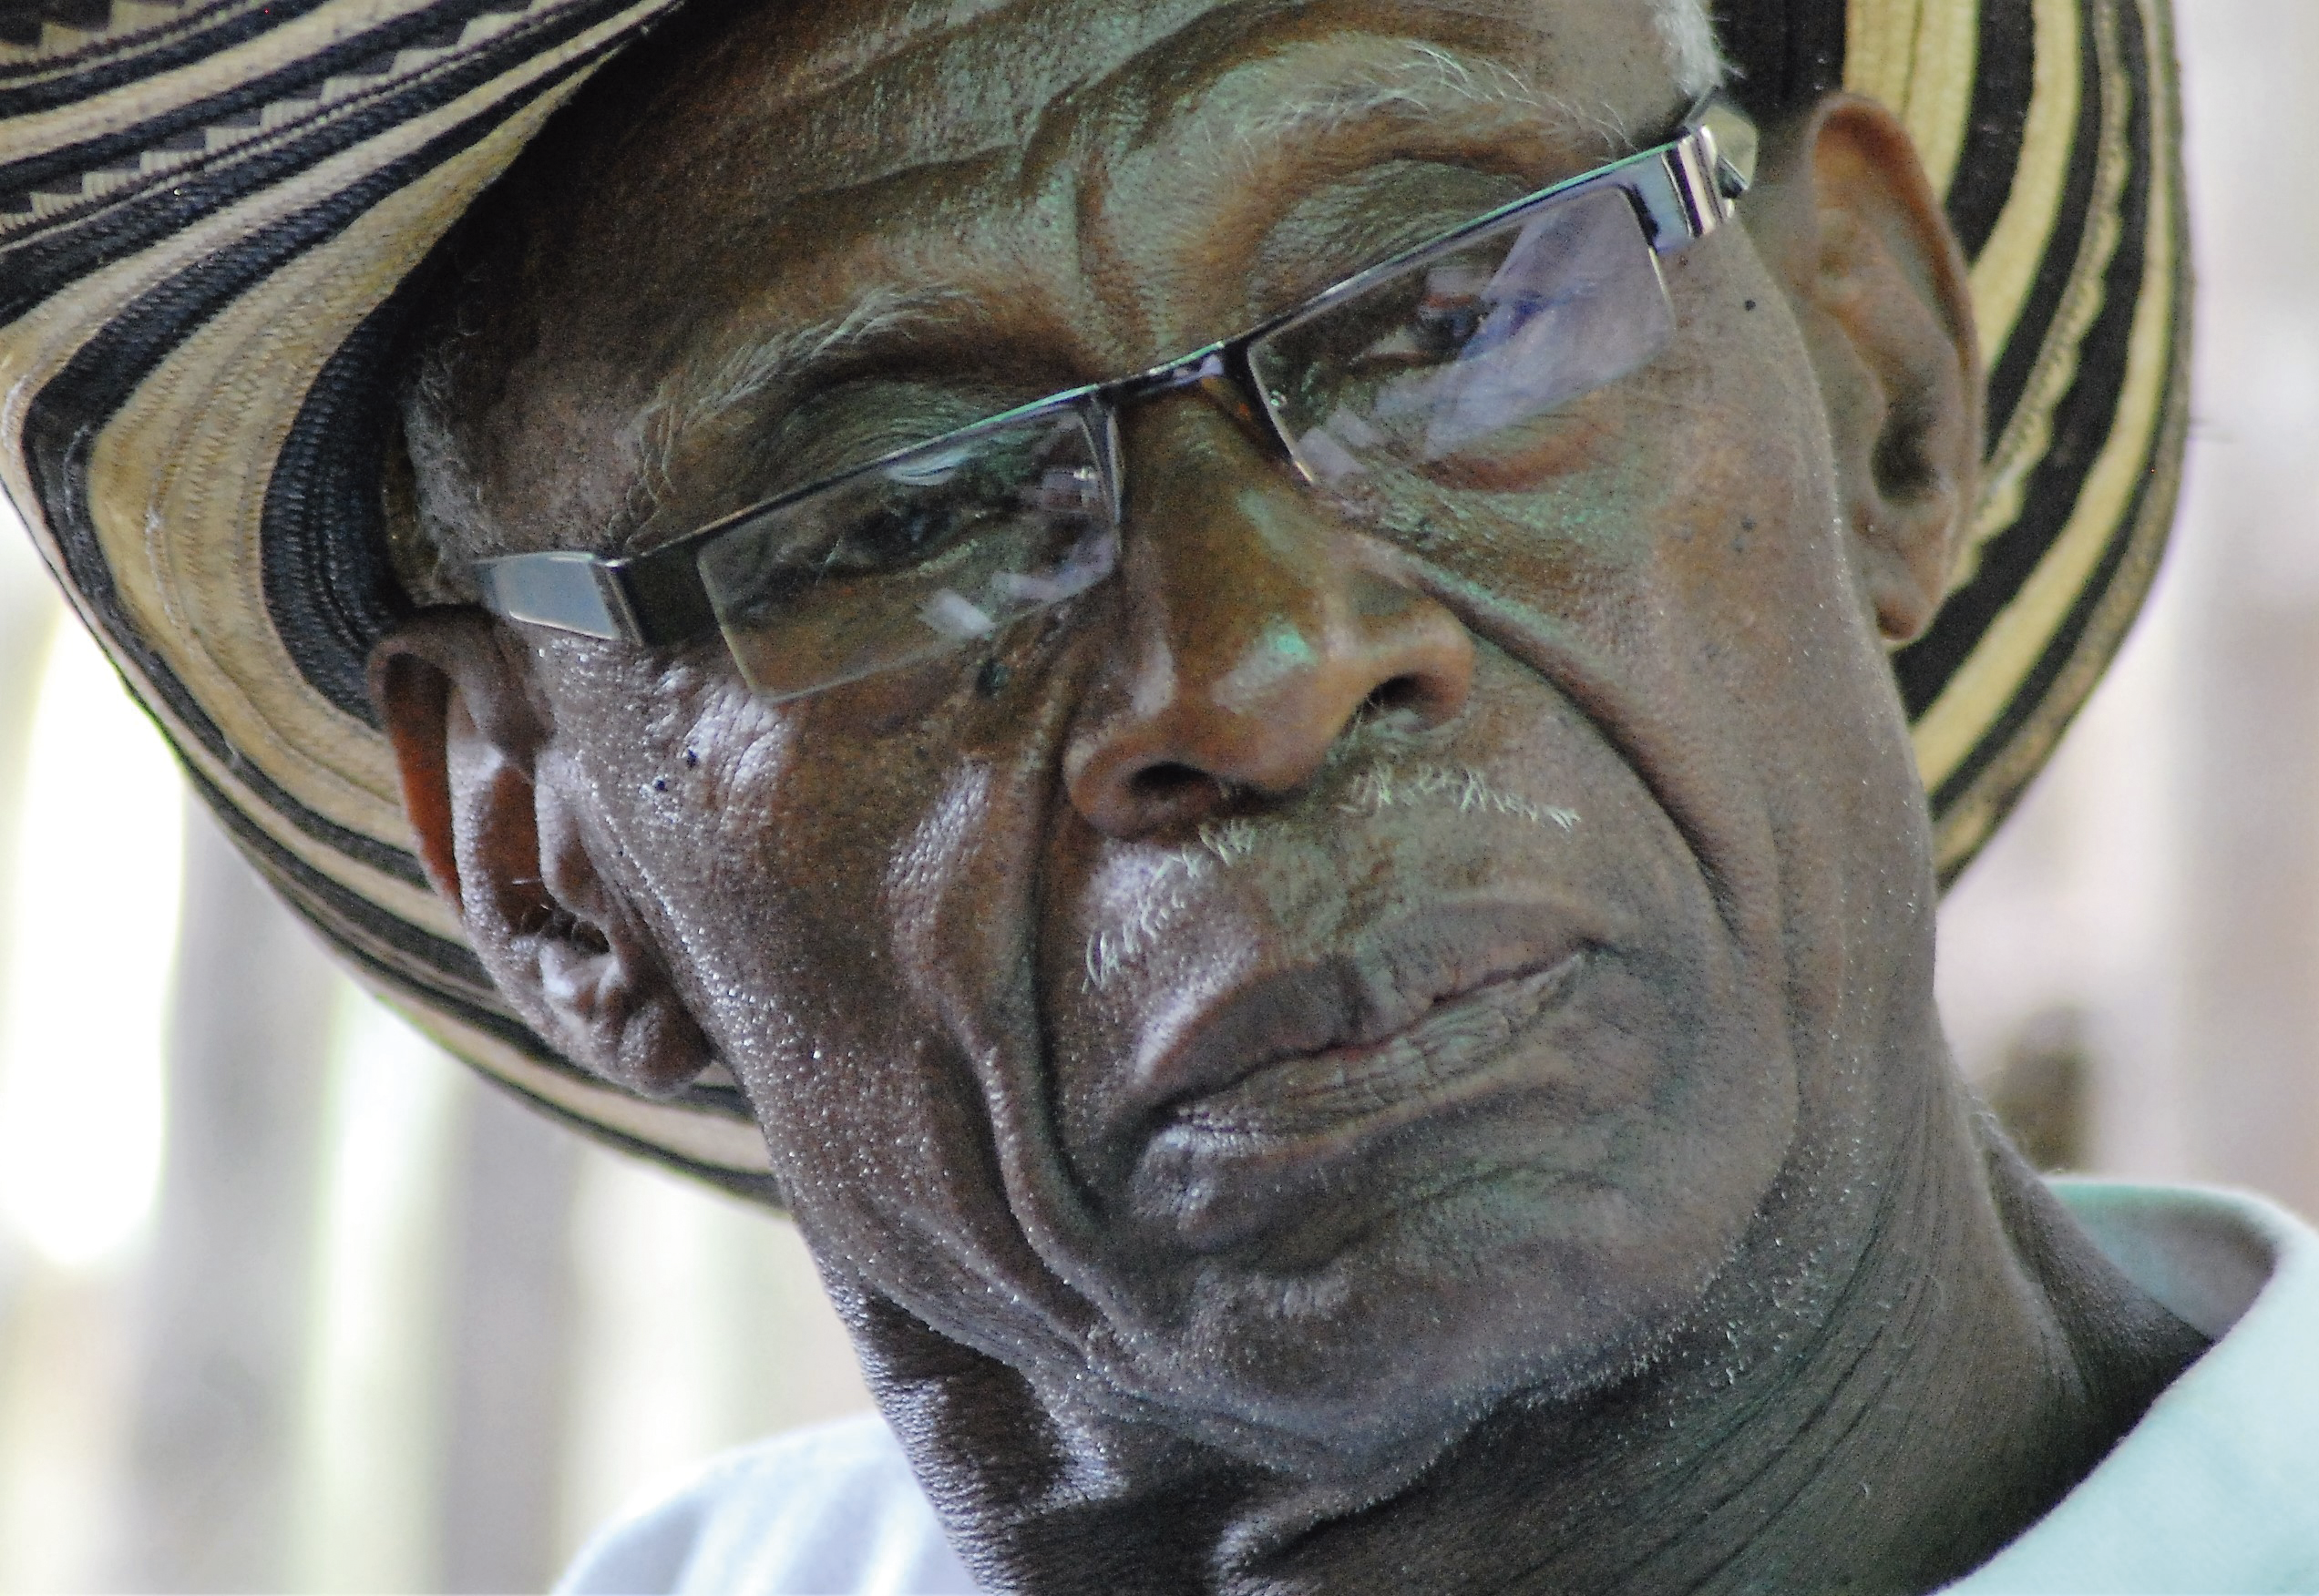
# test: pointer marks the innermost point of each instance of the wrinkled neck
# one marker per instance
(1886, 1424)
(1879, 1408)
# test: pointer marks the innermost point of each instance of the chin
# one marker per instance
(1510, 1289)
(1339, 1298)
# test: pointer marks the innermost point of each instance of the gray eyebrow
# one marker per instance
(785, 358)
(1427, 83)
(761, 368)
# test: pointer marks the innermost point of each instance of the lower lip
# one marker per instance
(1217, 1164)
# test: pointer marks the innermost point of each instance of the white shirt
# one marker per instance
(2216, 1489)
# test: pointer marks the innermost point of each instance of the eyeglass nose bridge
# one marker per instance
(1222, 374)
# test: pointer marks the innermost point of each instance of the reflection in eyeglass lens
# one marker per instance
(1453, 361)
(913, 557)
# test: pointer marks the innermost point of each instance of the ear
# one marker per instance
(502, 840)
(1879, 288)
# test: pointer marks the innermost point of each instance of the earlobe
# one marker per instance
(1880, 292)
(501, 844)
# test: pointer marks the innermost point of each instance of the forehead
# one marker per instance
(824, 159)
(889, 83)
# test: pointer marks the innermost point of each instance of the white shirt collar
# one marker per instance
(2217, 1488)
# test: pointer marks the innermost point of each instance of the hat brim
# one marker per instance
(207, 213)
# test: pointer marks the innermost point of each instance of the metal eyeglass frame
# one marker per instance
(1682, 191)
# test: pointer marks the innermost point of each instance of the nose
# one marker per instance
(1257, 630)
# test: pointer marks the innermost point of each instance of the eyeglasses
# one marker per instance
(1435, 369)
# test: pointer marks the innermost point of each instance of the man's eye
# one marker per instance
(1442, 328)
(904, 527)
(1430, 326)
(917, 511)
(903, 532)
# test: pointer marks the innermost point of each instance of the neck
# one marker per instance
(1885, 1427)
(1879, 1409)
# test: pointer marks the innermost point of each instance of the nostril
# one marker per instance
(1162, 783)
(1402, 692)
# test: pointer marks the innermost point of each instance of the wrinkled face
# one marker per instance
(1308, 986)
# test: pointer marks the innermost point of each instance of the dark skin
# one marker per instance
(1653, 1245)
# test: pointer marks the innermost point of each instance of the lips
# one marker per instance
(1406, 1011)
(1314, 1094)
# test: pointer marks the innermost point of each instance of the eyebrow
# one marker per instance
(764, 370)
(1425, 83)
(775, 364)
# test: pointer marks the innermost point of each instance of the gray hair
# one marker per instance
(1687, 32)
(436, 520)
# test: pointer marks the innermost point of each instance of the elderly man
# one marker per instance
(1385, 1023)
(1234, 657)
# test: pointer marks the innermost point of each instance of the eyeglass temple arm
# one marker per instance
(652, 599)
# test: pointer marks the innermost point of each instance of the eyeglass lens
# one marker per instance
(1450, 370)
(1445, 374)
(928, 553)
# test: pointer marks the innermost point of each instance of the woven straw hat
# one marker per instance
(206, 208)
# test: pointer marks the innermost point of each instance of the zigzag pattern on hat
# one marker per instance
(163, 145)
(57, 27)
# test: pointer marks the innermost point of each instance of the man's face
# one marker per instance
(1310, 985)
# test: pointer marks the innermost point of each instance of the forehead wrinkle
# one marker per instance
(1410, 60)
(1184, 71)
(995, 70)
(1236, 150)
(1419, 82)
(869, 46)
(941, 25)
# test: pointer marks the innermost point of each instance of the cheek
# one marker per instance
(1707, 556)
(849, 915)
(1794, 689)
(1783, 644)
(759, 844)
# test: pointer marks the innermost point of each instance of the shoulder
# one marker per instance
(2217, 1488)
(830, 1510)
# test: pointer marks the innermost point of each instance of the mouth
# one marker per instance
(1299, 1094)
(1320, 1057)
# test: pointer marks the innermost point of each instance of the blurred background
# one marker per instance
(289, 1301)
